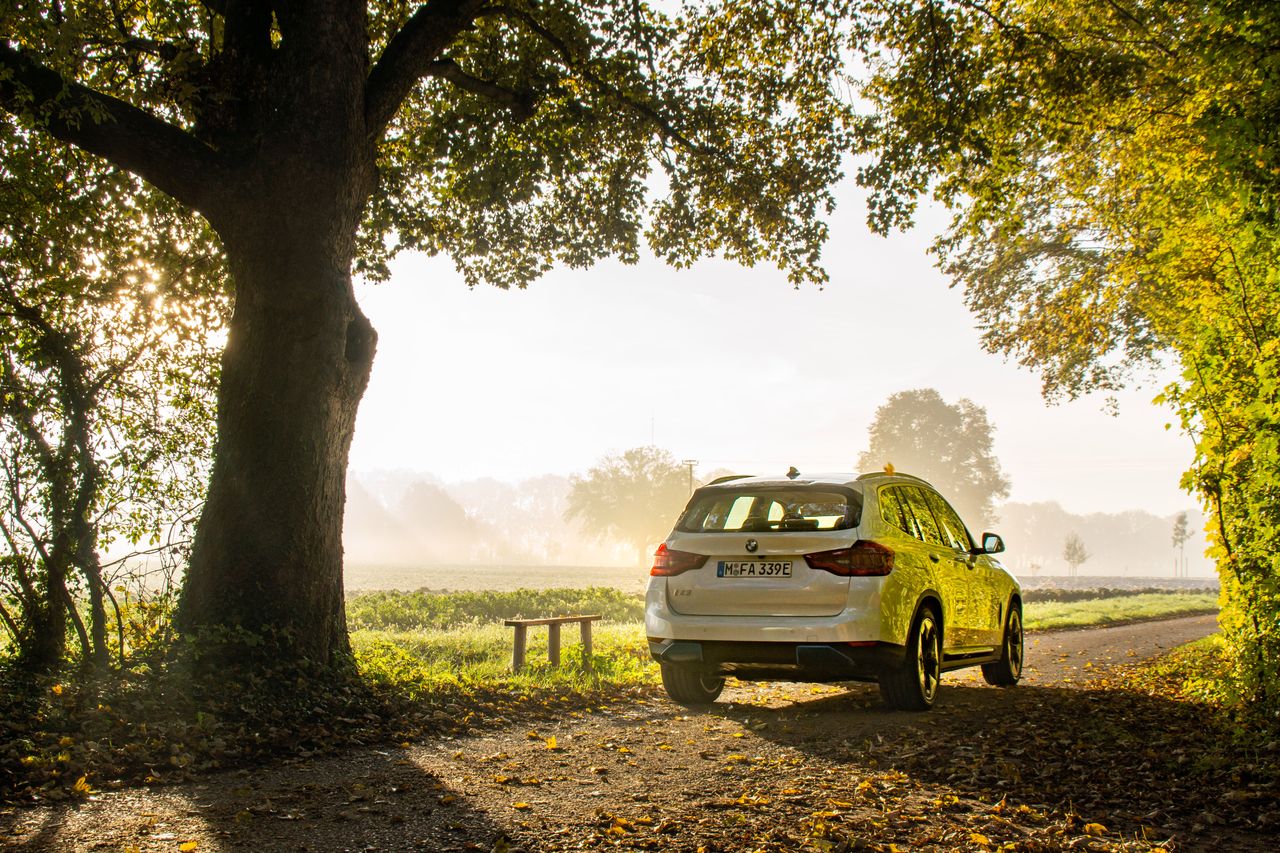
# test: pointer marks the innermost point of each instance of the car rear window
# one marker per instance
(771, 509)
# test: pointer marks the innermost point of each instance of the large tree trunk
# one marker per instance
(268, 550)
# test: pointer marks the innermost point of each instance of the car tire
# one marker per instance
(689, 686)
(1006, 671)
(913, 686)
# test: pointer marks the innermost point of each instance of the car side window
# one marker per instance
(953, 529)
(895, 513)
(924, 516)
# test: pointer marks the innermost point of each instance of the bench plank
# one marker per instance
(550, 620)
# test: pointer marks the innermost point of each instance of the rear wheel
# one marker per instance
(1006, 671)
(689, 686)
(914, 685)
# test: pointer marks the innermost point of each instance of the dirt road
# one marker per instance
(1058, 762)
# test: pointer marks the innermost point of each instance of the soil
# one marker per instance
(1066, 760)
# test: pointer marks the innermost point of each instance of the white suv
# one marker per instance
(829, 578)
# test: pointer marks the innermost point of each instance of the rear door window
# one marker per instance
(894, 511)
(919, 505)
(779, 509)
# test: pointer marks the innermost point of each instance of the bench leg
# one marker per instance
(517, 653)
(553, 644)
(586, 646)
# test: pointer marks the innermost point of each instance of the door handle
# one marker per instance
(933, 557)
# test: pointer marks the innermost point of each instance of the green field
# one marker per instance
(424, 642)
(1048, 615)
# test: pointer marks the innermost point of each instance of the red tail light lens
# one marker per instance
(862, 559)
(668, 562)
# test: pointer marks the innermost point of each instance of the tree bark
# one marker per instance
(267, 555)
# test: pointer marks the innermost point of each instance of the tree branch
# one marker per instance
(409, 56)
(521, 104)
(9, 623)
(133, 139)
(580, 65)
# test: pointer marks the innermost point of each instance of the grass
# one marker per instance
(478, 657)
(423, 643)
(1050, 615)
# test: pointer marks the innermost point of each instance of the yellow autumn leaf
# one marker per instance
(1094, 829)
(551, 743)
(521, 807)
(188, 846)
(979, 839)
(82, 786)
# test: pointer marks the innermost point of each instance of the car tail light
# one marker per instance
(667, 562)
(862, 559)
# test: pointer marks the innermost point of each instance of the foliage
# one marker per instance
(508, 137)
(634, 496)
(1060, 595)
(1114, 170)
(106, 374)
(949, 445)
(423, 610)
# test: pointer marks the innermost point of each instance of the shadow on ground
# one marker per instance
(367, 800)
(1142, 765)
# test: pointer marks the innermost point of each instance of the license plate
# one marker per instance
(754, 569)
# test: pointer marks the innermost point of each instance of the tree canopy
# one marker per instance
(318, 138)
(634, 496)
(1114, 170)
(949, 445)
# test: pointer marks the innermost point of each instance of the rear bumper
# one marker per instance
(782, 661)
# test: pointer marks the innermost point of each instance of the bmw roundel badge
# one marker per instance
(752, 545)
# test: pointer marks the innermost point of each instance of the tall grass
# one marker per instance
(425, 663)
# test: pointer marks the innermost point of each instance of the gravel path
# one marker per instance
(760, 770)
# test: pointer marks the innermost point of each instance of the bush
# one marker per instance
(436, 611)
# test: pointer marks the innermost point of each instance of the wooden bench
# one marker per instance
(553, 624)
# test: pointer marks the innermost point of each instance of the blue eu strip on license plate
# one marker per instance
(753, 569)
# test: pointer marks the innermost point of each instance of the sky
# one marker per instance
(732, 367)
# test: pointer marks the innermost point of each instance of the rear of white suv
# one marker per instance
(812, 579)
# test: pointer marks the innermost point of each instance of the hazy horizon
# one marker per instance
(732, 367)
(400, 520)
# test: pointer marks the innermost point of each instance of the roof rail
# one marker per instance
(870, 474)
(719, 480)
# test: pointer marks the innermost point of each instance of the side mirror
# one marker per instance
(992, 543)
